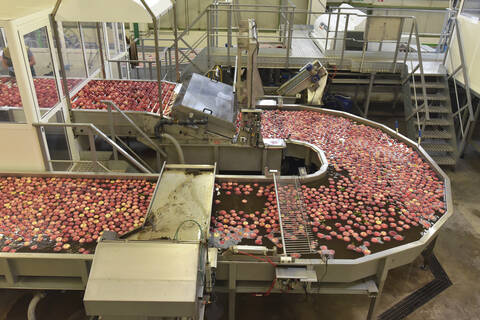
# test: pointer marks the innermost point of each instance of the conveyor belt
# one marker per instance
(296, 232)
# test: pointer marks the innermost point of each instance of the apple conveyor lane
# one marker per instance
(296, 233)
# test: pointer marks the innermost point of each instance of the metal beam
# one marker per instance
(366, 106)
(111, 104)
(157, 54)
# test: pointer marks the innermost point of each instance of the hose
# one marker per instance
(177, 146)
(33, 305)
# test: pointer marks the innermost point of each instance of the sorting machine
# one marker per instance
(168, 269)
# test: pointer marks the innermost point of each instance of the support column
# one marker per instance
(382, 273)
(367, 99)
(232, 288)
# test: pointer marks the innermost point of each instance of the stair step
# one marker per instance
(437, 147)
(428, 85)
(437, 109)
(431, 97)
(101, 155)
(436, 134)
(444, 160)
(86, 167)
(366, 81)
(434, 122)
(119, 166)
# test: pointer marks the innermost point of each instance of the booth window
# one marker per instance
(40, 62)
(111, 38)
(10, 100)
(72, 53)
(92, 52)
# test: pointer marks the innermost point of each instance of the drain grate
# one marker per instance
(423, 295)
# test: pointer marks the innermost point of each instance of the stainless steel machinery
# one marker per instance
(233, 272)
(166, 268)
(209, 100)
(312, 77)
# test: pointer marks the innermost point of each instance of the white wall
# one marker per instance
(427, 22)
(188, 10)
(470, 30)
(19, 147)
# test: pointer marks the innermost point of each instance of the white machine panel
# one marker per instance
(143, 279)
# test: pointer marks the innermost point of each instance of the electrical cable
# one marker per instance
(269, 290)
(326, 269)
(267, 293)
(202, 237)
(258, 258)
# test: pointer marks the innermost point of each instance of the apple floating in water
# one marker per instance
(378, 186)
(62, 213)
(384, 182)
(45, 90)
(127, 95)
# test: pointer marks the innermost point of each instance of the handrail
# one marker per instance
(111, 104)
(134, 154)
(466, 119)
(130, 61)
(395, 9)
(91, 130)
(144, 62)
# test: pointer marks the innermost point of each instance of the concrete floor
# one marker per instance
(457, 249)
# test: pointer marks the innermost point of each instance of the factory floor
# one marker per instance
(457, 249)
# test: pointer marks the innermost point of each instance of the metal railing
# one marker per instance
(465, 115)
(144, 65)
(91, 131)
(444, 14)
(222, 22)
(110, 105)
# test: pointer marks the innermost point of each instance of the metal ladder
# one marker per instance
(435, 132)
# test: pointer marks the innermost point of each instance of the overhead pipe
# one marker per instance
(175, 34)
(157, 54)
(33, 305)
(177, 146)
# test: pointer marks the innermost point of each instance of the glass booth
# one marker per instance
(29, 90)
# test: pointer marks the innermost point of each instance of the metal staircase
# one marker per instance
(107, 163)
(433, 125)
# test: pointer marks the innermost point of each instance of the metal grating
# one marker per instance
(434, 122)
(423, 295)
(444, 160)
(437, 134)
(86, 167)
(429, 85)
(437, 147)
(296, 233)
(431, 97)
(437, 109)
